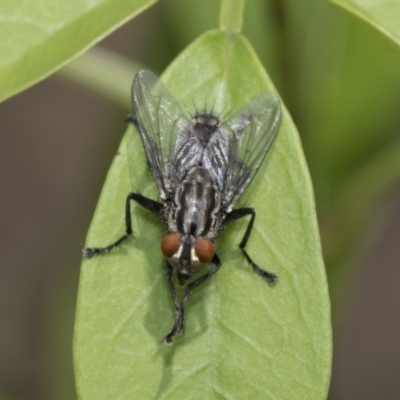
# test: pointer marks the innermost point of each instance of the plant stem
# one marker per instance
(104, 73)
(231, 15)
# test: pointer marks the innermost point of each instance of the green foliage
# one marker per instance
(346, 91)
(383, 15)
(339, 78)
(38, 37)
(243, 339)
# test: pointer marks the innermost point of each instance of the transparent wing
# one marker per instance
(159, 118)
(251, 132)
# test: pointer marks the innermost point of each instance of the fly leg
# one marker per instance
(240, 213)
(179, 313)
(180, 306)
(149, 204)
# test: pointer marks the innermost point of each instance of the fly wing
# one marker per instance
(159, 119)
(251, 132)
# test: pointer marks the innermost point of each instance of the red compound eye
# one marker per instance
(204, 250)
(170, 244)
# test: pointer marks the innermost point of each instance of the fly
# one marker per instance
(201, 167)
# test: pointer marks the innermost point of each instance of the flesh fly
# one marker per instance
(201, 167)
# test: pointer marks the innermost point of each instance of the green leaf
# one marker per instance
(384, 15)
(243, 339)
(38, 37)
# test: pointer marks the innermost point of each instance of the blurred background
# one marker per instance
(340, 79)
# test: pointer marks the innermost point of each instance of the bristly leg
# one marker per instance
(179, 323)
(145, 202)
(240, 213)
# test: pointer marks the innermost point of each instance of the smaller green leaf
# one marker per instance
(39, 36)
(384, 15)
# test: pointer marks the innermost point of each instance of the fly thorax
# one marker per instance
(198, 201)
(205, 125)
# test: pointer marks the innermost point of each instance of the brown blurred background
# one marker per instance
(57, 141)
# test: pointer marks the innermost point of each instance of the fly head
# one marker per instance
(186, 254)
